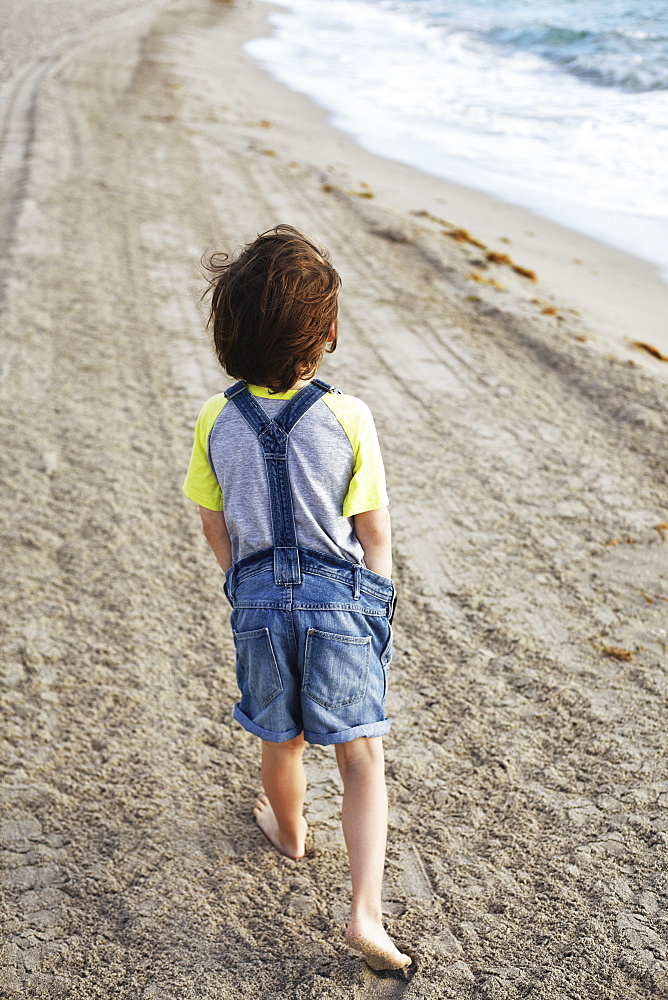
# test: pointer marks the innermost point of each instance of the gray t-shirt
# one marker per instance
(334, 463)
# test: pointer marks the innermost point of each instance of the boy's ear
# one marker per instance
(330, 343)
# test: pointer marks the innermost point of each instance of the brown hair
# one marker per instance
(272, 307)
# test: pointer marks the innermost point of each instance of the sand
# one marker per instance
(525, 450)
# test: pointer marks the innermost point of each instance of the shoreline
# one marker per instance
(635, 234)
(620, 297)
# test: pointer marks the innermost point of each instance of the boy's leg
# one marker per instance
(364, 819)
(279, 812)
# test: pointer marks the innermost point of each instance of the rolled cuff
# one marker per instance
(346, 735)
(264, 734)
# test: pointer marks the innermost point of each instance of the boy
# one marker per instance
(289, 480)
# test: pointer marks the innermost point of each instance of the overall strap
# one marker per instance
(273, 438)
(302, 401)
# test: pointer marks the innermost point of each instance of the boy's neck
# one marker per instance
(299, 384)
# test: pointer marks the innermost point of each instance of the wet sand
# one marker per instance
(525, 447)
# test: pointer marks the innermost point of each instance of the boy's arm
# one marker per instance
(217, 535)
(372, 528)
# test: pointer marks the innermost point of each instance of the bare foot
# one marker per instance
(266, 820)
(373, 941)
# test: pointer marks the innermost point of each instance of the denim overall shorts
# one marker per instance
(312, 632)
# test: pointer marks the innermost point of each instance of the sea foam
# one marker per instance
(494, 102)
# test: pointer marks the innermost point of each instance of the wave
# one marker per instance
(512, 109)
(632, 60)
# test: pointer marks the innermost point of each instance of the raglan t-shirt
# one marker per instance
(334, 463)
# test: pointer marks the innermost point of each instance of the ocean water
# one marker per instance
(557, 105)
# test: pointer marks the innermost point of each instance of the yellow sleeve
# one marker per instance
(201, 485)
(367, 490)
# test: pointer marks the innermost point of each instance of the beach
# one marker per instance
(524, 440)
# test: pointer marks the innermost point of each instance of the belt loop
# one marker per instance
(357, 577)
(229, 585)
(287, 569)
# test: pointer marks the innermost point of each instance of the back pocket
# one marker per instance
(336, 668)
(257, 670)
